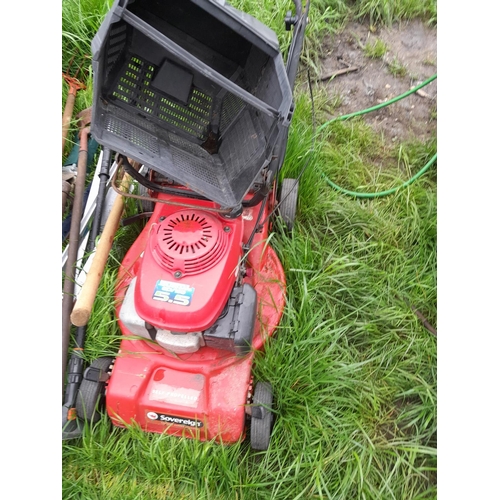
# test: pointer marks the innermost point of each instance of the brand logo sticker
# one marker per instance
(173, 293)
(175, 395)
(172, 419)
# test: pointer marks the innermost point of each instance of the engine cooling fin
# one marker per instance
(190, 242)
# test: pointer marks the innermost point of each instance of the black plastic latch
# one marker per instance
(95, 375)
(290, 20)
(234, 213)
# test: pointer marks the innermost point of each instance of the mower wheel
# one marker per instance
(288, 198)
(90, 400)
(262, 416)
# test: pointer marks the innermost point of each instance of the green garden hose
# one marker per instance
(379, 194)
(368, 110)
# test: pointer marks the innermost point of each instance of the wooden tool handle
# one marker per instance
(67, 114)
(83, 306)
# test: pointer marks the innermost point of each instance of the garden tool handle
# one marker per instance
(83, 305)
(67, 114)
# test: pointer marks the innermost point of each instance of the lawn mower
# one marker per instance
(196, 94)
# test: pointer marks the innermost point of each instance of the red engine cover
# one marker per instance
(188, 269)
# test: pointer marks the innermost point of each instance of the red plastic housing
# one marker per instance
(203, 394)
(188, 269)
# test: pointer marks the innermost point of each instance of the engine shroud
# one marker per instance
(188, 269)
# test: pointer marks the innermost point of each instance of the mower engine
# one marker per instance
(191, 263)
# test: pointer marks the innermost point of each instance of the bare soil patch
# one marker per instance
(411, 47)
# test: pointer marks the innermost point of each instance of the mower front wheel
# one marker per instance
(289, 194)
(262, 416)
(90, 400)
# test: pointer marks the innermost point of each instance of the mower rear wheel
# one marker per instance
(289, 194)
(262, 416)
(90, 400)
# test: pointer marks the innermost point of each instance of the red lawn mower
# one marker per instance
(196, 92)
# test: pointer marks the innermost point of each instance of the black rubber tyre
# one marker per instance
(288, 206)
(260, 428)
(90, 400)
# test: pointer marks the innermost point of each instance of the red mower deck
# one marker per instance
(201, 394)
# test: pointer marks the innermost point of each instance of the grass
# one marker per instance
(353, 370)
(390, 11)
(376, 49)
(397, 68)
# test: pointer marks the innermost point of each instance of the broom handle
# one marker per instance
(83, 305)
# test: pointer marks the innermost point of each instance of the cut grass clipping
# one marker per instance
(353, 370)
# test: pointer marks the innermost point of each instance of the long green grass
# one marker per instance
(352, 368)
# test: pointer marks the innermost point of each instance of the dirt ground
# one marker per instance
(412, 48)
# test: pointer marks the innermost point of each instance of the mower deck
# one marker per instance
(205, 393)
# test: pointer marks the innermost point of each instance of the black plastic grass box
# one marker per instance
(194, 89)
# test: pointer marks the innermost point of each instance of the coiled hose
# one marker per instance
(380, 194)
